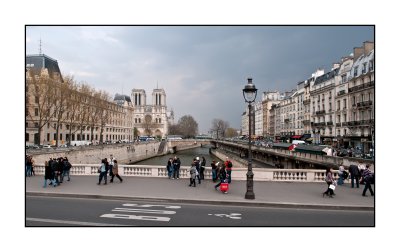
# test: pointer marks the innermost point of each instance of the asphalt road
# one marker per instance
(61, 211)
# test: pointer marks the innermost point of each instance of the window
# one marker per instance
(36, 112)
(371, 65)
(364, 68)
(54, 136)
(338, 105)
(48, 137)
(36, 99)
(355, 71)
(344, 103)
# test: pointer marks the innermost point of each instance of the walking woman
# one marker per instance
(115, 172)
(222, 176)
(103, 171)
(329, 180)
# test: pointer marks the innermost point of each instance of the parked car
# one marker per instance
(46, 146)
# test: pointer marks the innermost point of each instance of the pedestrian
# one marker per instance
(54, 169)
(193, 173)
(331, 183)
(48, 175)
(341, 174)
(111, 164)
(115, 172)
(214, 171)
(202, 167)
(60, 169)
(228, 167)
(222, 176)
(67, 168)
(367, 177)
(103, 171)
(28, 164)
(197, 164)
(169, 167)
(177, 166)
(354, 175)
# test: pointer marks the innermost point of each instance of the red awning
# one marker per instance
(295, 137)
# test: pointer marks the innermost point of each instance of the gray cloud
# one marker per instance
(202, 69)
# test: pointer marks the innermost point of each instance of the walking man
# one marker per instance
(354, 175)
(367, 178)
(228, 168)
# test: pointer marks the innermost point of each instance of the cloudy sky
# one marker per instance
(202, 69)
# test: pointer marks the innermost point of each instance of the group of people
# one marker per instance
(29, 171)
(55, 169)
(108, 165)
(197, 170)
(173, 166)
(359, 174)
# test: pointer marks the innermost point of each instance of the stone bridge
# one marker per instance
(286, 159)
(125, 152)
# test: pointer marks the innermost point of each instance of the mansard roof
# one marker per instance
(39, 61)
(326, 77)
(121, 97)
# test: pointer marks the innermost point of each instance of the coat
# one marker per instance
(193, 172)
(115, 169)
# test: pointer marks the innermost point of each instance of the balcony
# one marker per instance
(363, 104)
(345, 123)
(305, 102)
(321, 112)
(321, 124)
(306, 121)
(286, 120)
(338, 125)
(362, 86)
(329, 123)
(340, 93)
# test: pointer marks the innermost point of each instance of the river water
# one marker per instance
(186, 157)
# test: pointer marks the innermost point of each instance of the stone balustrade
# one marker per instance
(260, 174)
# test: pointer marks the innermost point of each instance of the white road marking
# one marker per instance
(235, 216)
(136, 217)
(73, 222)
(147, 205)
(133, 210)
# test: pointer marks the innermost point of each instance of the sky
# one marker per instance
(202, 69)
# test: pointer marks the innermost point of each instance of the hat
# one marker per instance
(197, 158)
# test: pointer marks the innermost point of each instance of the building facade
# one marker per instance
(85, 116)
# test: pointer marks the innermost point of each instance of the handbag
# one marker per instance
(332, 186)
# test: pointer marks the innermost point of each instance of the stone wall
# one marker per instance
(124, 153)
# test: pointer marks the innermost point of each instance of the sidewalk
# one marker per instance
(275, 194)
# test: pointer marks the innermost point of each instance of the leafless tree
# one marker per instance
(219, 126)
(188, 126)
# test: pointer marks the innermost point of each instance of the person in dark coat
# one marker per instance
(222, 176)
(48, 175)
(354, 175)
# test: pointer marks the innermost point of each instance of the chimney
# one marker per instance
(368, 47)
(358, 51)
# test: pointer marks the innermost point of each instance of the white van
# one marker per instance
(298, 142)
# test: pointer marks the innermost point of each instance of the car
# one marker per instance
(46, 146)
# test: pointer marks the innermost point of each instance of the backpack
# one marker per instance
(229, 164)
(345, 174)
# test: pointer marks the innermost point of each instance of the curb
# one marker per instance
(211, 202)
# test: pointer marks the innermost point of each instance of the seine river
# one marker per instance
(186, 157)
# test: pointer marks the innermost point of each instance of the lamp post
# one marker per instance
(249, 94)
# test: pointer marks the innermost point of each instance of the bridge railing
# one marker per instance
(260, 174)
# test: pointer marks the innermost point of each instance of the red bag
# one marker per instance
(224, 187)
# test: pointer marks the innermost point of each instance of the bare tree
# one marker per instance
(39, 103)
(188, 126)
(230, 132)
(104, 113)
(219, 126)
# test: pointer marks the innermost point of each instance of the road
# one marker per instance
(61, 211)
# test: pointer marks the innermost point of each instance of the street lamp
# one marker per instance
(249, 94)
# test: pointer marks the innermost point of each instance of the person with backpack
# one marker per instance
(228, 168)
(368, 178)
(103, 171)
(354, 175)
